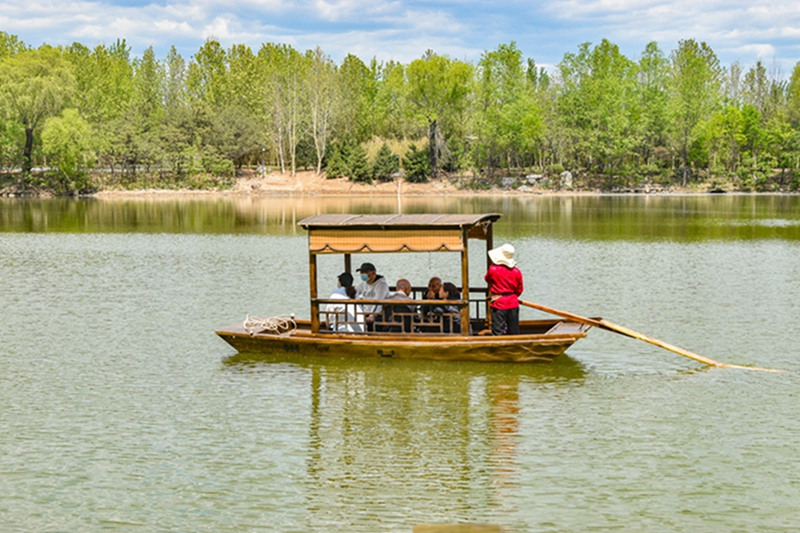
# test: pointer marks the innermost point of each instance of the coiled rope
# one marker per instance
(274, 325)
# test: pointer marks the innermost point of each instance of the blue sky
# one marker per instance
(403, 29)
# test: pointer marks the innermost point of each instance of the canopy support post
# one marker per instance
(489, 246)
(465, 281)
(312, 275)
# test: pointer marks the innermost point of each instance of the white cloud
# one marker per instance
(338, 10)
(761, 51)
(404, 29)
(218, 29)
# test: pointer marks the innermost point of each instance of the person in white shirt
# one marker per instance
(372, 287)
(342, 317)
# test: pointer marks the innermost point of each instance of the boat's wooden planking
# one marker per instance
(526, 348)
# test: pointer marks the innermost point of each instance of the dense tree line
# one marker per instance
(99, 117)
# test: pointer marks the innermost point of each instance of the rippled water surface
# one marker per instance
(120, 410)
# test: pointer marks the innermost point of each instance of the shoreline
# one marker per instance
(307, 184)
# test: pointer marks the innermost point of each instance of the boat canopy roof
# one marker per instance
(395, 233)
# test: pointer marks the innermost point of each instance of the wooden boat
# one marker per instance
(406, 335)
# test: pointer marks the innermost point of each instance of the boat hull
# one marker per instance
(525, 348)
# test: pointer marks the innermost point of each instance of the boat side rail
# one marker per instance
(341, 315)
(479, 304)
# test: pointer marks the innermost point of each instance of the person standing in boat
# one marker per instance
(372, 287)
(505, 288)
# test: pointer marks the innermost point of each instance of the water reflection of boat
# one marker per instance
(538, 341)
(405, 441)
(563, 370)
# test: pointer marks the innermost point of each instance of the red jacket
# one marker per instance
(506, 282)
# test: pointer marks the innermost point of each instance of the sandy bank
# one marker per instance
(307, 183)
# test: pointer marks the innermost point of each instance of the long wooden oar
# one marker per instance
(610, 326)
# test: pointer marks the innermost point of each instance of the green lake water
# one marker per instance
(120, 409)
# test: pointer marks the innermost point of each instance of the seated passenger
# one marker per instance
(402, 315)
(344, 317)
(434, 287)
(449, 315)
(372, 287)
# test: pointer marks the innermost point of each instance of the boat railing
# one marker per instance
(393, 316)
(478, 302)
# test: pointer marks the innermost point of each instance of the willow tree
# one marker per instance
(438, 88)
(34, 85)
(67, 138)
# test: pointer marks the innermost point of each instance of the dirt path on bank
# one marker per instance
(308, 183)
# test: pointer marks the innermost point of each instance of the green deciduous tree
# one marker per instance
(177, 130)
(756, 87)
(358, 116)
(103, 92)
(695, 83)
(103, 82)
(500, 81)
(283, 70)
(438, 88)
(597, 104)
(206, 79)
(323, 99)
(793, 96)
(650, 115)
(10, 45)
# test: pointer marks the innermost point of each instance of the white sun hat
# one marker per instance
(503, 256)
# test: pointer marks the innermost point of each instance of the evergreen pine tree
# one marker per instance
(358, 165)
(338, 155)
(386, 164)
(417, 165)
